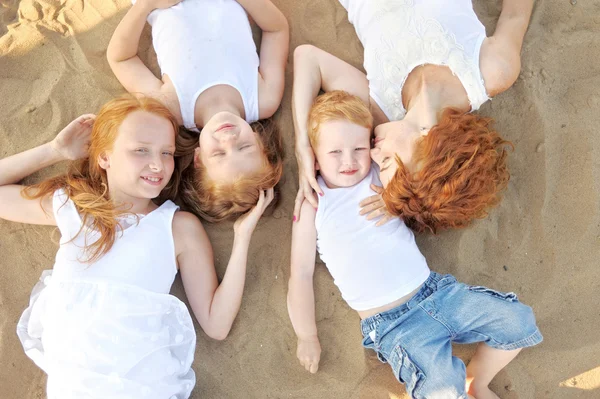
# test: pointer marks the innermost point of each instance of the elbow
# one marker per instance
(303, 51)
(218, 334)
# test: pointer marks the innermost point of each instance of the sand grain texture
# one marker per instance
(543, 242)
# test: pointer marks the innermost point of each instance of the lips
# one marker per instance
(152, 180)
(349, 172)
(225, 126)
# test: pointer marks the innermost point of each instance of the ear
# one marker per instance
(197, 157)
(104, 161)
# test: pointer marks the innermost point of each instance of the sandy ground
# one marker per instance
(543, 242)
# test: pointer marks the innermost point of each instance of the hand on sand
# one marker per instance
(160, 4)
(309, 353)
(308, 184)
(374, 207)
(73, 141)
(246, 223)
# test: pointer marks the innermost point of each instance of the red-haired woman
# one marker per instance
(219, 89)
(428, 63)
(102, 323)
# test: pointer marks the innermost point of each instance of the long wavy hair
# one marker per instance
(216, 201)
(462, 170)
(85, 182)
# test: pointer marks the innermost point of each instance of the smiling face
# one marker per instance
(229, 148)
(140, 163)
(395, 138)
(342, 153)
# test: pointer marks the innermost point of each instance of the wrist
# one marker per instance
(145, 6)
(308, 338)
(54, 154)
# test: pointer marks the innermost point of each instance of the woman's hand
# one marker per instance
(308, 184)
(309, 353)
(246, 223)
(374, 207)
(73, 141)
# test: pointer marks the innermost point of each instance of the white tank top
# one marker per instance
(399, 35)
(203, 43)
(143, 255)
(372, 266)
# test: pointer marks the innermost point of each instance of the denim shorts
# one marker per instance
(415, 338)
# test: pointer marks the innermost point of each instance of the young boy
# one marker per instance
(409, 314)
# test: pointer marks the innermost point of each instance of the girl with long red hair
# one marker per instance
(102, 323)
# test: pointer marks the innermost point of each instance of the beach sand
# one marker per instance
(542, 242)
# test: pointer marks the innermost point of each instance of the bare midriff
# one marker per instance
(400, 301)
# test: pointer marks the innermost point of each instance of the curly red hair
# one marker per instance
(461, 171)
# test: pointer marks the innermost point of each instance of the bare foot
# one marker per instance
(482, 392)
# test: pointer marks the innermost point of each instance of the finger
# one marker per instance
(377, 189)
(375, 214)
(371, 207)
(308, 195)
(369, 200)
(314, 367)
(315, 185)
(384, 220)
(298, 205)
(261, 199)
(270, 196)
(307, 366)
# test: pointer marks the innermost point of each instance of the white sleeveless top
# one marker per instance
(399, 35)
(110, 329)
(203, 43)
(372, 266)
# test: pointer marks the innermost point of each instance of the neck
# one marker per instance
(430, 93)
(130, 204)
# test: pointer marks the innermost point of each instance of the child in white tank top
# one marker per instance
(217, 85)
(384, 277)
(102, 323)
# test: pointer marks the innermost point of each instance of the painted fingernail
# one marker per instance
(316, 209)
(321, 194)
(294, 218)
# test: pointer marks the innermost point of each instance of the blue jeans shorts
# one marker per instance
(415, 338)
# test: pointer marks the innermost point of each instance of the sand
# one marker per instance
(543, 242)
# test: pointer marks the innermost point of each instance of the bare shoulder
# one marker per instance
(500, 63)
(187, 228)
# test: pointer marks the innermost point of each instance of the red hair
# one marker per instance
(462, 169)
(337, 105)
(216, 201)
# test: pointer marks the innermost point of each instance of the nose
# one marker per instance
(349, 158)
(376, 154)
(227, 136)
(156, 164)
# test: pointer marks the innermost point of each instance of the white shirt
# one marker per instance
(203, 43)
(372, 266)
(400, 35)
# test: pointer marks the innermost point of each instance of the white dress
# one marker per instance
(111, 329)
(400, 35)
(203, 43)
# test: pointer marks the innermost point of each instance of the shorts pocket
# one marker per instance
(407, 372)
(507, 296)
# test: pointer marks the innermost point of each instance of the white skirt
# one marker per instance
(98, 339)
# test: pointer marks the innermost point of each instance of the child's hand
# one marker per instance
(309, 353)
(374, 207)
(308, 182)
(246, 223)
(73, 141)
(154, 4)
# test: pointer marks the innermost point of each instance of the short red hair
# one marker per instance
(337, 105)
(462, 169)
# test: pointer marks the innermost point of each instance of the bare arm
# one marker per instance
(274, 50)
(214, 305)
(315, 69)
(501, 53)
(123, 48)
(301, 295)
(70, 143)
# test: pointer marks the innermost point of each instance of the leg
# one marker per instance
(484, 366)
